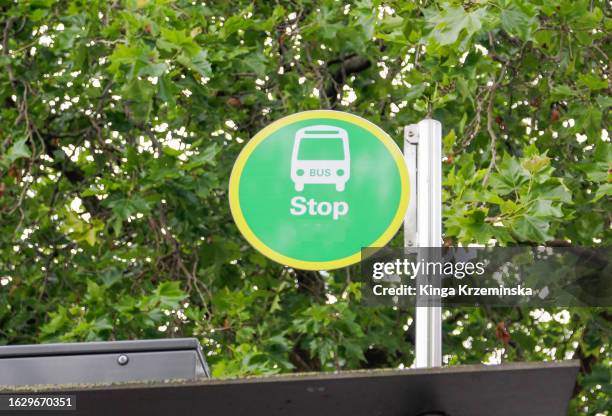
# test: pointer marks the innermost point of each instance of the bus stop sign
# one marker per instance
(313, 188)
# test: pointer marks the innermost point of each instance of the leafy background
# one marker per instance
(120, 121)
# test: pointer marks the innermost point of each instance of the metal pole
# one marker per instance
(423, 224)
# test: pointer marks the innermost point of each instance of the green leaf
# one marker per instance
(595, 172)
(139, 94)
(449, 141)
(416, 91)
(510, 176)
(178, 40)
(234, 24)
(58, 320)
(472, 226)
(463, 89)
(38, 14)
(519, 20)
(95, 292)
(554, 190)
(207, 156)
(257, 63)
(90, 236)
(125, 55)
(590, 118)
(197, 63)
(354, 350)
(560, 92)
(592, 82)
(604, 101)
(448, 24)
(545, 209)
(525, 341)
(18, 150)
(126, 207)
(154, 69)
(171, 151)
(278, 13)
(169, 294)
(604, 190)
(536, 163)
(167, 90)
(529, 228)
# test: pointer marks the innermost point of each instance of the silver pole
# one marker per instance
(423, 224)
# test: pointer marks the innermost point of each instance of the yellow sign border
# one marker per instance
(252, 144)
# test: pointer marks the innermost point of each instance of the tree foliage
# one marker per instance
(120, 121)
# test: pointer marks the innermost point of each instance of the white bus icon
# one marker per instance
(320, 156)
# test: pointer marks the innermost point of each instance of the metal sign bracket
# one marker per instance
(423, 224)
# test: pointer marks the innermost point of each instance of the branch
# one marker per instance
(351, 65)
(490, 129)
(5, 37)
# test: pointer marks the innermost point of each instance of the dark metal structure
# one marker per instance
(523, 389)
(102, 362)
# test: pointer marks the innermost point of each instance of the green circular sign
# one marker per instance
(311, 189)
